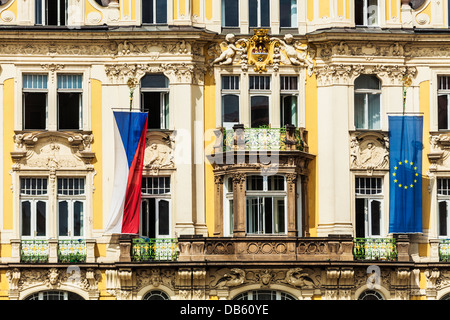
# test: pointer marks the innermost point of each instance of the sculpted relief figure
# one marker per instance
(295, 52)
(227, 56)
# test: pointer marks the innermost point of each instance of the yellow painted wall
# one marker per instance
(196, 8)
(209, 125)
(324, 8)
(208, 9)
(392, 9)
(4, 286)
(96, 147)
(311, 125)
(13, 8)
(8, 146)
(424, 107)
(310, 10)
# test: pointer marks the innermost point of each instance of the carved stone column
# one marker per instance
(218, 206)
(305, 206)
(291, 183)
(239, 204)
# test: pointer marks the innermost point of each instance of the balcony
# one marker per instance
(444, 250)
(53, 251)
(375, 249)
(239, 138)
(146, 250)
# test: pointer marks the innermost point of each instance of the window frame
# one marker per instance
(369, 198)
(266, 93)
(223, 15)
(155, 13)
(80, 101)
(365, 19)
(236, 92)
(258, 15)
(443, 92)
(158, 197)
(263, 194)
(34, 90)
(367, 92)
(284, 93)
(442, 198)
(33, 199)
(44, 18)
(293, 17)
(164, 103)
(71, 199)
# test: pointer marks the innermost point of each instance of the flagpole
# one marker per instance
(132, 82)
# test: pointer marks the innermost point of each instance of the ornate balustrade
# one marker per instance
(444, 250)
(239, 138)
(265, 248)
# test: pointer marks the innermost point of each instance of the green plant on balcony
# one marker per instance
(71, 251)
(147, 249)
(34, 251)
(444, 250)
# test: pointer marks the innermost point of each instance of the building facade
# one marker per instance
(266, 168)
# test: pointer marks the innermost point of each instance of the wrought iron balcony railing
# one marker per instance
(444, 250)
(375, 249)
(72, 251)
(38, 251)
(263, 139)
(146, 249)
(34, 251)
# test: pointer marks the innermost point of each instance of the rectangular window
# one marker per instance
(34, 100)
(288, 13)
(230, 13)
(259, 101)
(155, 100)
(289, 100)
(366, 13)
(51, 12)
(155, 207)
(443, 197)
(443, 102)
(230, 101)
(33, 206)
(367, 102)
(69, 95)
(71, 205)
(259, 13)
(265, 205)
(154, 11)
(368, 207)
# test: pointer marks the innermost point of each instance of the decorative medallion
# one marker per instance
(260, 47)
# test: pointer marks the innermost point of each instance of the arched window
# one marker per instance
(264, 295)
(54, 295)
(370, 295)
(156, 295)
(155, 100)
(367, 102)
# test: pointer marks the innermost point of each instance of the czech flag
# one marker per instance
(130, 131)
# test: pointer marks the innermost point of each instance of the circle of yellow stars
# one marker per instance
(416, 175)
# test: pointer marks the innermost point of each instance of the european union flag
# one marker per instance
(405, 166)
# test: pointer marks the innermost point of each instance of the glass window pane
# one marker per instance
(443, 218)
(147, 11)
(144, 217)
(41, 208)
(253, 13)
(63, 218)
(265, 13)
(26, 218)
(230, 104)
(78, 219)
(154, 81)
(289, 110)
(374, 111)
(375, 209)
(442, 112)
(230, 13)
(35, 110)
(360, 114)
(259, 111)
(367, 81)
(163, 224)
(161, 11)
(279, 216)
(372, 13)
(69, 111)
(360, 217)
(255, 183)
(268, 216)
